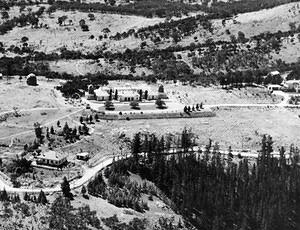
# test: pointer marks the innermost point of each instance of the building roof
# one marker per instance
(101, 93)
(128, 94)
(292, 81)
(274, 85)
(31, 75)
(51, 155)
(152, 92)
(84, 154)
(274, 72)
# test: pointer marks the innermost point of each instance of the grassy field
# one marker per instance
(16, 93)
(42, 104)
(71, 36)
(239, 128)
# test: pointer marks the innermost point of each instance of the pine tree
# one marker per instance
(3, 196)
(52, 130)
(116, 94)
(136, 147)
(26, 197)
(65, 188)
(83, 190)
(66, 128)
(42, 199)
(96, 117)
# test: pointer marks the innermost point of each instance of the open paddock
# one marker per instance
(235, 127)
(16, 93)
(190, 95)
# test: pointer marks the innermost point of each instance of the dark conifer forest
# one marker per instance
(213, 191)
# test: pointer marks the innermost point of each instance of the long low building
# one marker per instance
(124, 94)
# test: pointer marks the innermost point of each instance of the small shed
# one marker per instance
(273, 87)
(83, 156)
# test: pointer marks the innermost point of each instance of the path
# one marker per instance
(88, 175)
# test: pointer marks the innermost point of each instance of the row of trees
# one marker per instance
(169, 29)
(248, 77)
(143, 8)
(40, 199)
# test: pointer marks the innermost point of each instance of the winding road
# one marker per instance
(88, 175)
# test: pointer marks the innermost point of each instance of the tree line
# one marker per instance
(143, 8)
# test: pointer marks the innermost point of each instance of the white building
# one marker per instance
(83, 156)
(274, 73)
(152, 95)
(101, 95)
(51, 158)
(128, 96)
(273, 87)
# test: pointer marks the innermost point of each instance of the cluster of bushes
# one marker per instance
(248, 77)
(135, 224)
(19, 166)
(41, 199)
(188, 109)
(62, 215)
(294, 100)
(4, 196)
(15, 198)
(119, 191)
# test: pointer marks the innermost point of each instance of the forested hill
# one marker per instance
(216, 192)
